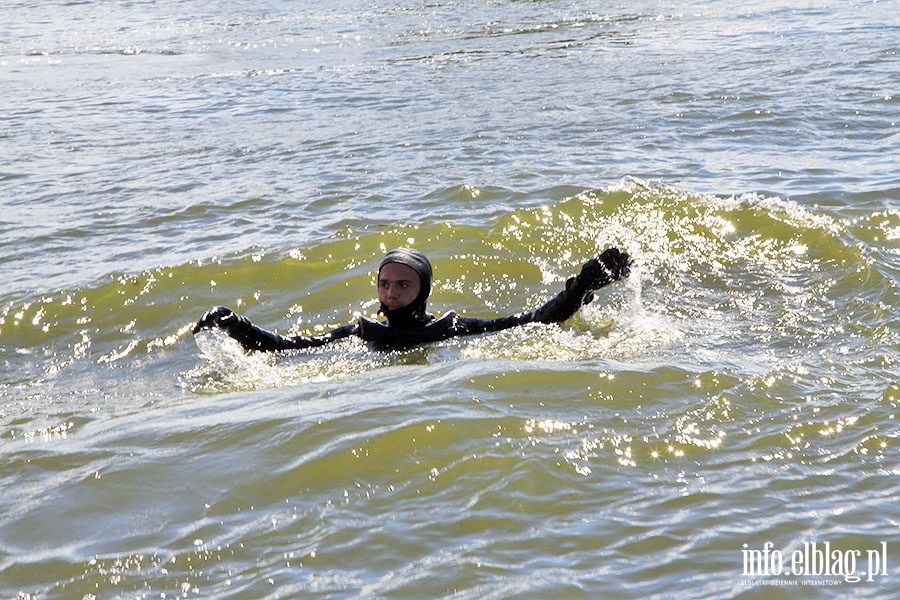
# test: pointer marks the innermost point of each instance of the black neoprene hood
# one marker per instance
(419, 263)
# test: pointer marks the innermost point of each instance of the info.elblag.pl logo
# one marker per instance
(814, 560)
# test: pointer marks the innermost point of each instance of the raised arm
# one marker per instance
(611, 265)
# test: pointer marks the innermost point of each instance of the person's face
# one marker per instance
(398, 285)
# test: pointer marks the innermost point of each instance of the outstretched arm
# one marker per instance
(252, 337)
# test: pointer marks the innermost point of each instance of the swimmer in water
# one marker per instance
(404, 284)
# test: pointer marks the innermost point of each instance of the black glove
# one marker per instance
(223, 318)
(611, 265)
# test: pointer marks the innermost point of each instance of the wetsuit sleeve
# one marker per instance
(472, 326)
(254, 338)
(561, 307)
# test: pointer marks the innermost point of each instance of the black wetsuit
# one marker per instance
(411, 325)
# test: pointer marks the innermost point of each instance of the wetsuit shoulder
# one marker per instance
(385, 337)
